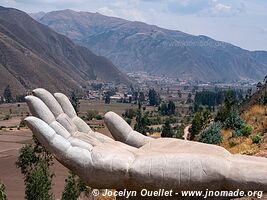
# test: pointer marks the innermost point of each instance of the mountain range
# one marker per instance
(135, 46)
(33, 55)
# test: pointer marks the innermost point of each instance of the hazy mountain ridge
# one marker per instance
(134, 46)
(33, 55)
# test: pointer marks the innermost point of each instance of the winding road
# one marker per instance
(186, 132)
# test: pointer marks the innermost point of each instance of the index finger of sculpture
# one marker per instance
(72, 156)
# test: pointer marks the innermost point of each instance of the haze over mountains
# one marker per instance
(136, 46)
(33, 55)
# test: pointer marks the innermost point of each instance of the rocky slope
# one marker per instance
(135, 46)
(33, 55)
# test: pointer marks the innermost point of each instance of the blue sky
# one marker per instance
(240, 22)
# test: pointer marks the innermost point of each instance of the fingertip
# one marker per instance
(109, 115)
(39, 109)
(66, 105)
(38, 90)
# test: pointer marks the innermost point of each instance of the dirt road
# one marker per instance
(186, 132)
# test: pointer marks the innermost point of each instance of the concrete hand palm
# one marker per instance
(135, 161)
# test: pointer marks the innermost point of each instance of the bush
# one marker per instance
(99, 117)
(129, 113)
(167, 130)
(74, 186)
(263, 99)
(91, 114)
(155, 120)
(128, 120)
(212, 134)
(256, 139)
(237, 133)
(179, 132)
(232, 143)
(7, 117)
(246, 130)
(2, 192)
(22, 123)
(233, 121)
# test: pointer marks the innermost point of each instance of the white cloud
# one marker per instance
(220, 10)
(264, 30)
(106, 11)
(223, 8)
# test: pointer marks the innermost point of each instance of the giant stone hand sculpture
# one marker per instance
(134, 161)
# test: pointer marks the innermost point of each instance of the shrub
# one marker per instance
(22, 123)
(129, 113)
(99, 117)
(212, 134)
(232, 143)
(237, 133)
(263, 99)
(91, 114)
(233, 121)
(74, 186)
(179, 132)
(246, 130)
(167, 130)
(7, 117)
(2, 192)
(256, 139)
(128, 120)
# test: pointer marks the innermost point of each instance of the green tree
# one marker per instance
(233, 121)
(230, 100)
(142, 122)
(129, 113)
(179, 132)
(34, 162)
(167, 130)
(171, 108)
(74, 187)
(141, 97)
(39, 183)
(263, 99)
(8, 95)
(163, 109)
(167, 109)
(212, 134)
(221, 115)
(107, 99)
(2, 192)
(154, 98)
(189, 98)
(74, 101)
(197, 125)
